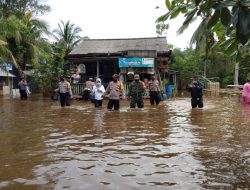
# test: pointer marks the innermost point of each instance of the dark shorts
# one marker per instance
(197, 102)
(64, 99)
(23, 94)
(114, 103)
(86, 95)
(154, 97)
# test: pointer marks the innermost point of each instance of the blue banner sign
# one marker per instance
(136, 62)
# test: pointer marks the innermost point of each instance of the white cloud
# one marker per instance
(115, 18)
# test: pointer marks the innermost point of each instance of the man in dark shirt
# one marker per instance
(196, 93)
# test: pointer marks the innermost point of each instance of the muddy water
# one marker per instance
(171, 146)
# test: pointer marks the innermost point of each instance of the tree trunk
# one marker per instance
(236, 74)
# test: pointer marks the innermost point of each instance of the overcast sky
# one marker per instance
(105, 19)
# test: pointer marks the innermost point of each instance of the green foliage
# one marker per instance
(7, 55)
(25, 38)
(20, 7)
(213, 19)
(161, 28)
(67, 36)
(248, 76)
(46, 74)
(23, 42)
(233, 15)
(225, 16)
(190, 62)
(244, 68)
(224, 28)
(243, 25)
(187, 62)
(56, 64)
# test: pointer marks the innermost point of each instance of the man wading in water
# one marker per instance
(136, 92)
(64, 89)
(114, 89)
(23, 85)
(154, 90)
(196, 93)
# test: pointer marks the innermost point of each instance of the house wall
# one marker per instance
(107, 67)
(5, 85)
(142, 53)
(4, 90)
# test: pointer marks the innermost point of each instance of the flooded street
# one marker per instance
(46, 147)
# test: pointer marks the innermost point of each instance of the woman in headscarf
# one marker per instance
(98, 90)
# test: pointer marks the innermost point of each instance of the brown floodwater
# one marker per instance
(170, 146)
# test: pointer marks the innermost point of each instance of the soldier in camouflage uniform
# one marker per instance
(136, 92)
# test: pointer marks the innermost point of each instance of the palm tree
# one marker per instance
(6, 55)
(35, 45)
(9, 29)
(67, 36)
(25, 38)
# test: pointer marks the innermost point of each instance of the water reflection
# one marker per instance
(167, 147)
(246, 114)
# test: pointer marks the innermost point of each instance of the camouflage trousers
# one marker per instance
(136, 101)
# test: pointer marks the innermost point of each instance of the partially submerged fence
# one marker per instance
(213, 88)
(77, 89)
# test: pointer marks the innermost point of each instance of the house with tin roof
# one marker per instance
(101, 58)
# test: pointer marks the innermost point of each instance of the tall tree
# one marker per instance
(189, 62)
(32, 39)
(9, 28)
(5, 55)
(234, 15)
(67, 36)
(23, 33)
(20, 7)
(25, 38)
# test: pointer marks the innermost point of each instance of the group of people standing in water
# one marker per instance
(136, 92)
(96, 92)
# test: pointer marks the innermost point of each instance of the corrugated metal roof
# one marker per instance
(5, 73)
(91, 46)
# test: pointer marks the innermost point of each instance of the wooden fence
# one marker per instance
(77, 89)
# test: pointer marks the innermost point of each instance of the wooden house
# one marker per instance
(104, 57)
